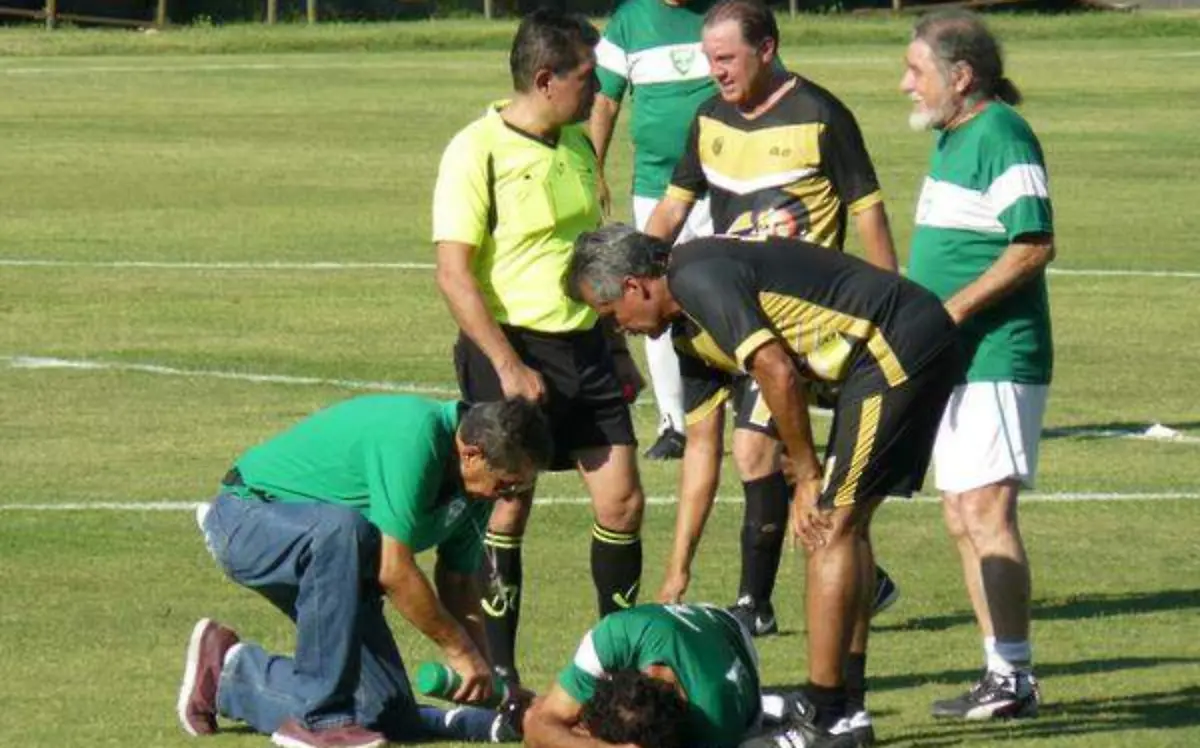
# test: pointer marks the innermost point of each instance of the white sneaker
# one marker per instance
(858, 726)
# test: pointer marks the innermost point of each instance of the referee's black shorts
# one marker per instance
(881, 442)
(584, 401)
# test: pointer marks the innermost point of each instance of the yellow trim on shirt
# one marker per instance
(752, 343)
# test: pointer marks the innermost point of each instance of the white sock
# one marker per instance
(773, 706)
(989, 650)
(1010, 657)
(230, 654)
(663, 363)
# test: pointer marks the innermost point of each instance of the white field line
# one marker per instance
(37, 362)
(439, 59)
(1140, 435)
(155, 265)
(48, 362)
(17, 262)
(187, 506)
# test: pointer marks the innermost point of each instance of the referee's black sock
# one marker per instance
(856, 683)
(616, 568)
(763, 530)
(501, 603)
(829, 702)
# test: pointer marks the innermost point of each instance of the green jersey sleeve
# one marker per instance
(404, 471)
(1019, 189)
(612, 60)
(604, 649)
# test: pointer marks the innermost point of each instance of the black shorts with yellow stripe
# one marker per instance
(881, 442)
(750, 410)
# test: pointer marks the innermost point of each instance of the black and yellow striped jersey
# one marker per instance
(795, 170)
(847, 322)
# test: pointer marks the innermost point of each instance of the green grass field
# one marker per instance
(149, 184)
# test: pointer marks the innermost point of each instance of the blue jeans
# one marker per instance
(318, 563)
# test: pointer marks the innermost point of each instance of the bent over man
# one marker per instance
(794, 315)
(774, 154)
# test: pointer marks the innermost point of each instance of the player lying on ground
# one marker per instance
(665, 676)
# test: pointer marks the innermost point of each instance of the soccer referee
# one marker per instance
(514, 190)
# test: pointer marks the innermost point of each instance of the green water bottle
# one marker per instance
(441, 681)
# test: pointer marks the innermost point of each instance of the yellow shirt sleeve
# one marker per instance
(461, 197)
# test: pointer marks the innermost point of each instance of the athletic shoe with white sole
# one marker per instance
(995, 696)
(197, 704)
(292, 734)
(757, 617)
(857, 726)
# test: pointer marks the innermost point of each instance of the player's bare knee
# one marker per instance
(621, 512)
(755, 455)
(509, 517)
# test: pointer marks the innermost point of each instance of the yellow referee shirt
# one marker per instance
(521, 202)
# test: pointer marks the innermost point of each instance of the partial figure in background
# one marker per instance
(776, 155)
(651, 49)
(984, 236)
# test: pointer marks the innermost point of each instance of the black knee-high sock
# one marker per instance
(856, 683)
(763, 531)
(616, 568)
(502, 576)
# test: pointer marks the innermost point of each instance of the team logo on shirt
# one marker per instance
(456, 507)
(682, 59)
(718, 145)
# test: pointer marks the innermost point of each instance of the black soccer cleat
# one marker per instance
(509, 726)
(757, 617)
(995, 696)
(669, 446)
(886, 592)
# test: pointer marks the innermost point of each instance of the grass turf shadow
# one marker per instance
(1068, 609)
(1160, 710)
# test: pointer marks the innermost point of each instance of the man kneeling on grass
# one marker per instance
(665, 676)
(324, 520)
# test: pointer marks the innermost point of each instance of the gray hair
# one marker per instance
(605, 257)
(960, 37)
(512, 434)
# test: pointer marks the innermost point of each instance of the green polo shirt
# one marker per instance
(391, 457)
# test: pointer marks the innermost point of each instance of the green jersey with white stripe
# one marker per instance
(653, 49)
(709, 652)
(986, 189)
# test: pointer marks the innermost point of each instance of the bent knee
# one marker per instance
(623, 512)
(755, 455)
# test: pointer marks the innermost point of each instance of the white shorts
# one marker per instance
(989, 433)
(698, 223)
